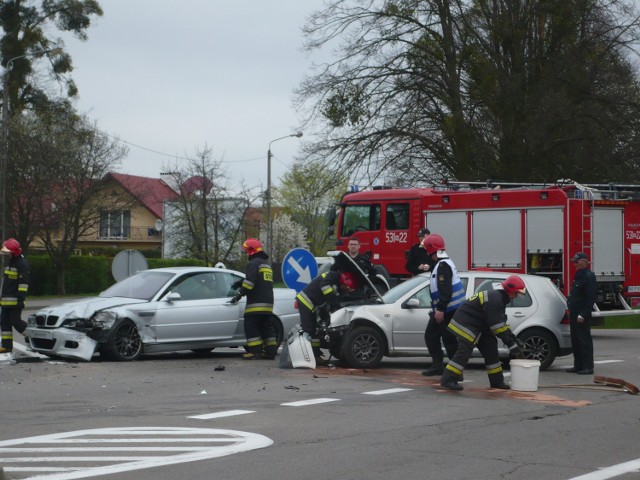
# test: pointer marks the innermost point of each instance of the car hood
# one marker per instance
(86, 307)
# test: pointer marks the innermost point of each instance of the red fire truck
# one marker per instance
(507, 227)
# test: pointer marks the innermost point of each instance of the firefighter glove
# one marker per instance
(235, 299)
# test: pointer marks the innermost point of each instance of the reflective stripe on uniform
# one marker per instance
(259, 308)
(248, 284)
(306, 301)
(461, 331)
(254, 342)
(493, 368)
(454, 367)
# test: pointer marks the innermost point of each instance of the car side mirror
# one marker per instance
(172, 297)
(412, 303)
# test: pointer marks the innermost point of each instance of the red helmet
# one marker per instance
(11, 245)
(349, 280)
(433, 243)
(513, 285)
(251, 246)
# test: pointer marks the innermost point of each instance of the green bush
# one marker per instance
(85, 274)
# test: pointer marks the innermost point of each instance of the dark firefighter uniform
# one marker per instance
(14, 292)
(582, 296)
(258, 327)
(314, 301)
(477, 323)
(415, 257)
(447, 293)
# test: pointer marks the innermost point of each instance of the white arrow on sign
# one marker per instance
(304, 274)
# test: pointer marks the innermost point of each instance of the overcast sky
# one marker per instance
(174, 75)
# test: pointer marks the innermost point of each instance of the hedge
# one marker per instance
(85, 274)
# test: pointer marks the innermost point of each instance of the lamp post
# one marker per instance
(5, 133)
(269, 155)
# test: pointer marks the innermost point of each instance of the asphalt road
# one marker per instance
(136, 421)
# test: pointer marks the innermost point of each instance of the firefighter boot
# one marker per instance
(320, 360)
(449, 381)
(436, 369)
(5, 350)
(496, 380)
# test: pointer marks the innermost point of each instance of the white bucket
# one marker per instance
(524, 375)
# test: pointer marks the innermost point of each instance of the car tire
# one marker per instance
(124, 343)
(363, 347)
(539, 345)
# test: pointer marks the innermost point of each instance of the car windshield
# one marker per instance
(142, 285)
(398, 291)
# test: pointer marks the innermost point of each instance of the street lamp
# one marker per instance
(270, 224)
(5, 133)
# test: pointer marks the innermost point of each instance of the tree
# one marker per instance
(305, 194)
(27, 30)
(470, 90)
(207, 220)
(58, 183)
(287, 234)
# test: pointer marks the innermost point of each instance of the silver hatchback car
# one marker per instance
(394, 325)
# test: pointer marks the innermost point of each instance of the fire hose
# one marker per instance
(601, 383)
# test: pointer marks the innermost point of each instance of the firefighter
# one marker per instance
(447, 294)
(418, 260)
(477, 323)
(258, 287)
(14, 291)
(317, 298)
(582, 296)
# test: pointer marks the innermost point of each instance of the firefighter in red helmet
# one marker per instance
(315, 302)
(258, 287)
(477, 323)
(447, 293)
(15, 286)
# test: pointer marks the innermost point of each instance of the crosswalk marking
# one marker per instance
(387, 391)
(228, 413)
(314, 401)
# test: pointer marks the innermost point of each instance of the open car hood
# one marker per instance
(346, 264)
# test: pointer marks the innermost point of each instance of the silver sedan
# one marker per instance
(152, 311)
(394, 326)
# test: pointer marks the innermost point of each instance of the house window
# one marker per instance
(115, 224)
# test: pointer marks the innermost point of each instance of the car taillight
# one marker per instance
(565, 319)
(295, 304)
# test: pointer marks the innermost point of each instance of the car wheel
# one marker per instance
(363, 347)
(124, 343)
(539, 345)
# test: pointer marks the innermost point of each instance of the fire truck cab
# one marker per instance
(507, 227)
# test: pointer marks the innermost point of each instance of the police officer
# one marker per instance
(418, 260)
(14, 292)
(316, 299)
(447, 294)
(582, 296)
(477, 323)
(258, 287)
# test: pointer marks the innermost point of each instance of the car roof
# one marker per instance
(182, 269)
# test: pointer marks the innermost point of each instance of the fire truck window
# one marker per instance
(397, 216)
(359, 218)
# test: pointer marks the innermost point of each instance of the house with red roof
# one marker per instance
(136, 225)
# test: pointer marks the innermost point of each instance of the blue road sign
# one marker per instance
(299, 267)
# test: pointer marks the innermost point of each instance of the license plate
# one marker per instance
(633, 288)
(42, 334)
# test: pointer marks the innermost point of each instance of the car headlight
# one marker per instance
(104, 319)
(31, 321)
(77, 323)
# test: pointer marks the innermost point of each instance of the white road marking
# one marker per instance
(205, 443)
(388, 391)
(610, 472)
(314, 401)
(602, 362)
(228, 413)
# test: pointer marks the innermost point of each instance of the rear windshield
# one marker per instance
(142, 285)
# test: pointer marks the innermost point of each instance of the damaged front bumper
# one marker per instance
(62, 342)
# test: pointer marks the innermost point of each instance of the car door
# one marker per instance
(201, 312)
(410, 321)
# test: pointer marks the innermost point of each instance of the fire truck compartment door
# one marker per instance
(545, 230)
(608, 242)
(453, 228)
(497, 239)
